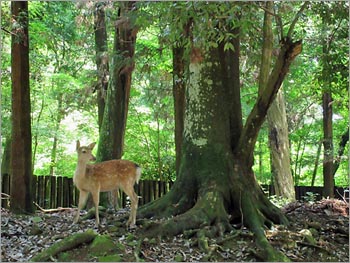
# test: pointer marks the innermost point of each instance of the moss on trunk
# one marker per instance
(216, 185)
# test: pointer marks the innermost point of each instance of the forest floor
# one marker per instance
(319, 232)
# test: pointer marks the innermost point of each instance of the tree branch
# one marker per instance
(295, 20)
(277, 17)
(289, 51)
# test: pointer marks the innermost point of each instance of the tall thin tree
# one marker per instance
(277, 118)
(117, 102)
(21, 154)
(101, 47)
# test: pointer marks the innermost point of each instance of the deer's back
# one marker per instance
(112, 174)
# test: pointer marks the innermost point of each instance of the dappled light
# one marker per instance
(236, 113)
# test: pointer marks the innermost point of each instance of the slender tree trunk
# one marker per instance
(6, 157)
(57, 120)
(277, 119)
(327, 101)
(101, 47)
(36, 136)
(6, 170)
(328, 179)
(296, 174)
(316, 163)
(112, 129)
(114, 121)
(342, 144)
(21, 150)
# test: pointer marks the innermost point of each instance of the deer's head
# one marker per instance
(85, 152)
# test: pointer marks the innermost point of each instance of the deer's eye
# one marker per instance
(83, 151)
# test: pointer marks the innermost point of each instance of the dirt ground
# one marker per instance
(319, 232)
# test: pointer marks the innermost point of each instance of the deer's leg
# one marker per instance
(134, 204)
(83, 195)
(96, 199)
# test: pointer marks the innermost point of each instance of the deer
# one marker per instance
(103, 177)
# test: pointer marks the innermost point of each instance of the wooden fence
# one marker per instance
(53, 192)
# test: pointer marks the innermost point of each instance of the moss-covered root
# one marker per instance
(64, 245)
(208, 211)
(169, 205)
(155, 209)
(255, 221)
(269, 253)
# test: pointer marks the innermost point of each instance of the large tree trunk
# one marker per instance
(179, 89)
(21, 150)
(217, 152)
(101, 47)
(114, 121)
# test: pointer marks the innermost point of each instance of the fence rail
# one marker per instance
(53, 192)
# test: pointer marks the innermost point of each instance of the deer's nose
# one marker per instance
(93, 158)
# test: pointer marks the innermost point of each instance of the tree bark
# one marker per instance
(115, 115)
(68, 243)
(101, 47)
(179, 89)
(216, 184)
(279, 149)
(277, 119)
(6, 171)
(21, 150)
(342, 144)
(328, 179)
(327, 101)
(289, 50)
(6, 158)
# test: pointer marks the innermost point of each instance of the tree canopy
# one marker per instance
(63, 78)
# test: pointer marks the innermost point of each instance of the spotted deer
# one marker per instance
(103, 177)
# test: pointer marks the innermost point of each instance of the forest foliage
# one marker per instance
(63, 79)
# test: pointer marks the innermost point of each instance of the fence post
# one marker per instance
(53, 203)
(59, 191)
(70, 191)
(47, 191)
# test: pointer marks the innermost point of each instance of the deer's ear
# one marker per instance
(78, 145)
(92, 145)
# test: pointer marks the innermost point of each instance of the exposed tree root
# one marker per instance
(64, 245)
(202, 209)
(256, 220)
(203, 213)
(169, 205)
(208, 218)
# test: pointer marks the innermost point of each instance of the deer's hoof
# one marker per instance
(131, 226)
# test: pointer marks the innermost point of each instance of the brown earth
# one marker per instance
(319, 232)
